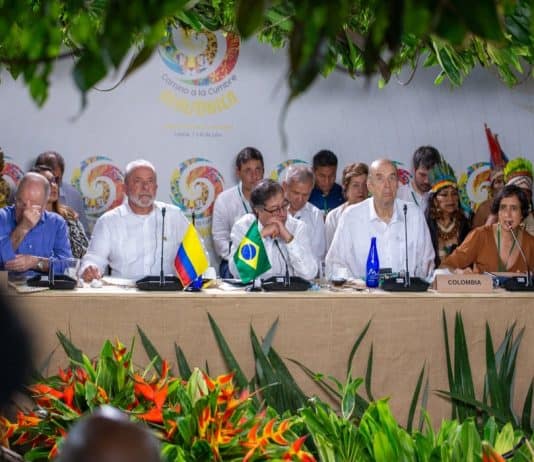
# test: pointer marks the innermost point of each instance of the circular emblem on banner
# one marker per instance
(473, 186)
(12, 173)
(403, 173)
(200, 58)
(101, 185)
(195, 185)
(279, 172)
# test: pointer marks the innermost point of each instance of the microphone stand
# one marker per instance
(406, 267)
(516, 283)
(289, 283)
(161, 282)
(406, 284)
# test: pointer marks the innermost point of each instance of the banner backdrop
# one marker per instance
(203, 97)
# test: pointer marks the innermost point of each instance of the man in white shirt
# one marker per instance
(128, 238)
(285, 238)
(418, 188)
(297, 188)
(381, 216)
(233, 203)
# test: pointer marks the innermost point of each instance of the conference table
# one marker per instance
(316, 328)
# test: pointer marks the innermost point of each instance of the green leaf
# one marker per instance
(88, 71)
(249, 16)
(415, 399)
(72, 352)
(369, 374)
(183, 365)
(356, 345)
(151, 352)
(228, 356)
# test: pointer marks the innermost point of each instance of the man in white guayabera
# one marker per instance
(128, 238)
(381, 216)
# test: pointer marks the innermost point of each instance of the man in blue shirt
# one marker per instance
(327, 194)
(29, 235)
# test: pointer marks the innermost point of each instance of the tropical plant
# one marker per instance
(199, 419)
(360, 37)
(498, 392)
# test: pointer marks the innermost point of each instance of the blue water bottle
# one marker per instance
(373, 266)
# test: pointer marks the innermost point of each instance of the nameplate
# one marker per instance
(474, 283)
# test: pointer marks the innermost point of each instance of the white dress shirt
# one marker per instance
(406, 192)
(131, 244)
(229, 206)
(297, 253)
(332, 220)
(313, 217)
(359, 223)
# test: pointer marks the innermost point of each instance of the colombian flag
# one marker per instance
(190, 261)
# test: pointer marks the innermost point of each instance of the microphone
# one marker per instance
(286, 280)
(518, 283)
(161, 276)
(406, 267)
(161, 282)
(286, 283)
(406, 283)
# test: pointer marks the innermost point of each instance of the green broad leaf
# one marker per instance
(490, 431)
(183, 365)
(140, 59)
(229, 358)
(369, 374)
(88, 71)
(330, 391)
(415, 399)
(201, 450)
(37, 454)
(90, 394)
(249, 16)
(72, 352)
(481, 17)
(269, 337)
(526, 415)
(187, 429)
(505, 439)
(382, 448)
(356, 345)
(151, 351)
(494, 386)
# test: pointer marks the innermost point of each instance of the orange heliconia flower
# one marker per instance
(489, 454)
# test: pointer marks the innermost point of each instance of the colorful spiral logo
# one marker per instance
(280, 171)
(12, 173)
(195, 185)
(101, 184)
(403, 173)
(200, 58)
(474, 185)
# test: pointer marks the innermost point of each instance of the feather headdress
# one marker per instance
(441, 176)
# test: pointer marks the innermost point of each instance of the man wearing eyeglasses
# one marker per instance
(285, 238)
(298, 186)
(29, 235)
(381, 216)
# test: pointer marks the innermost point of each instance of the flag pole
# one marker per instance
(253, 287)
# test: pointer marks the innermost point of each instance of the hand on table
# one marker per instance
(22, 263)
(90, 273)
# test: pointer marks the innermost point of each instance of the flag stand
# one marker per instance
(254, 287)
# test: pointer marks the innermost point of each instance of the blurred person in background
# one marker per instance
(354, 183)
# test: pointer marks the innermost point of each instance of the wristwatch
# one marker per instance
(40, 265)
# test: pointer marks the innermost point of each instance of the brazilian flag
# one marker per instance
(251, 259)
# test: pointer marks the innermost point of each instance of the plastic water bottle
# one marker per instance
(373, 266)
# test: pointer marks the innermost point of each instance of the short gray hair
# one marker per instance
(33, 177)
(136, 164)
(299, 174)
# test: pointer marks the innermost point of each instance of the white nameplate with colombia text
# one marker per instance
(474, 283)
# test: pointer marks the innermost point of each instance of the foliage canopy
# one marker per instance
(360, 37)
